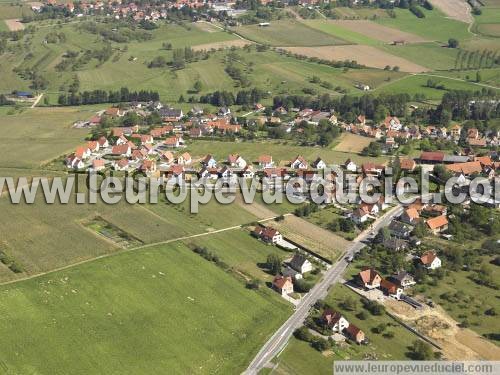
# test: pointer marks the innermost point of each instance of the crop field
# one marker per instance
(287, 33)
(372, 77)
(11, 10)
(336, 29)
(221, 45)
(352, 143)
(488, 23)
(363, 54)
(129, 312)
(431, 55)
(426, 27)
(379, 32)
(39, 135)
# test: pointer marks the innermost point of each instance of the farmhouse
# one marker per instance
(410, 216)
(283, 285)
(431, 157)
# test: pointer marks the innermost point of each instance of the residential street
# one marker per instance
(278, 341)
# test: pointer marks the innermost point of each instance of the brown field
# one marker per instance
(14, 24)
(312, 237)
(457, 343)
(205, 26)
(455, 9)
(380, 32)
(366, 55)
(352, 143)
(221, 45)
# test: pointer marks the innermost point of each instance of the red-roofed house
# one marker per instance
(283, 285)
(369, 278)
(430, 260)
(438, 224)
(391, 289)
(334, 320)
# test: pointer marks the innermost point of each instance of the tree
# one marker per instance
(197, 86)
(452, 43)
(274, 264)
(478, 76)
(422, 351)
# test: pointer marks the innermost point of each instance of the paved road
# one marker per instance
(278, 341)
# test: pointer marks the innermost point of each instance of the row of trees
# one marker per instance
(101, 96)
(475, 59)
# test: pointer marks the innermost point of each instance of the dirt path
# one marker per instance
(37, 100)
(457, 343)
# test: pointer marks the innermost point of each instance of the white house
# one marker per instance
(430, 260)
(299, 163)
(334, 320)
(301, 264)
(319, 164)
(209, 161)
(350, 166)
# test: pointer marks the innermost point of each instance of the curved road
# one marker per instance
(280, 338)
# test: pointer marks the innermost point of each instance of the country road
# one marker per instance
(280, 338)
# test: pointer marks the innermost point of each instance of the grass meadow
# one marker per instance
(435, 26)
(164, 307)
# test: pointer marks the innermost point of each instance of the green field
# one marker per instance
(431, 55)
(416, 84)
(135, 313)
(241, 251)
(287, 33)
(12, 10)
(488, 23)
(39, 135)
(434, 26)
(341, 32)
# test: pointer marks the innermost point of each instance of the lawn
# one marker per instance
(297, 354)
(240, 250)
(288, 33)
(136, 313)
(426, 27)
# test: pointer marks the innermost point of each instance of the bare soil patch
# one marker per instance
(379, 32)
(457, 343)
(352, 143)
(221, 45)
(14, 24)
(366, 55)
(455, 9)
